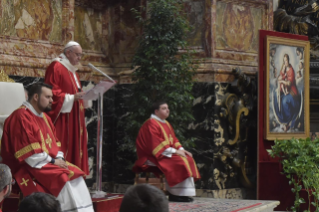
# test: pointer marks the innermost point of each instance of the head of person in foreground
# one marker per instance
(6, 181)
(144, 197)
(40, 202)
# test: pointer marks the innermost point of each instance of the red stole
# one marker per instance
(153, 138)
(70, 127)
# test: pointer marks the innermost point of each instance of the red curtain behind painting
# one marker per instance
(271, 184)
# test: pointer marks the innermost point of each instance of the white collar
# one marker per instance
(157, 118)
(65, 62)
(30, 107)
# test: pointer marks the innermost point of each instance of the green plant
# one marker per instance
(163, 69)
(300, 160)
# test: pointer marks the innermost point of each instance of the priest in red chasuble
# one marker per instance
(67, 112)
(157, 145)
(31, 148)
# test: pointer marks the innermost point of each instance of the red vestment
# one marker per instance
(291, 77)
(70, 127)
(25, 134)
(153, 138)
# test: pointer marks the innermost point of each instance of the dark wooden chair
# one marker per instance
(146, 170)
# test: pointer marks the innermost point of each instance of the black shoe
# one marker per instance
(190, 199)
(174, 198)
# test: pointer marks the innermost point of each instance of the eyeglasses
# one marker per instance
(77, 54)
(11, 183)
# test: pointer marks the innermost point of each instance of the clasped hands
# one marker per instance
(61, 163)
(183, 153)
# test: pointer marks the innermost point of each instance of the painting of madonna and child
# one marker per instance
(287, 75)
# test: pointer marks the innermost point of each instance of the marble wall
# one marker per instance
(37, 20)
(124, 35)
(231, 37)
(33, 33)
(88, 28)
(224, 36)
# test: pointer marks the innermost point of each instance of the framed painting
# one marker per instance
(287, 88)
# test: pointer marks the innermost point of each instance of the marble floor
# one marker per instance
(224, 205)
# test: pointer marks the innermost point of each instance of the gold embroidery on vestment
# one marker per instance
(195, 166)
(44, 148)
(71, 174)
(24, 182)
(71, 164)
(164, 143)
(48, 140)
(27, 149)
(177, 144)
(187, 165)
(81, 107)
(171, 139)
(159, 147)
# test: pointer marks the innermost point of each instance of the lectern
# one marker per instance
(96, 93)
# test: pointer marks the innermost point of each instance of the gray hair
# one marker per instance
(68, 49)
(5, 175)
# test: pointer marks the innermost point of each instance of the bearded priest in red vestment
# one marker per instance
(67, 112)
(157, 145)
(31, 149)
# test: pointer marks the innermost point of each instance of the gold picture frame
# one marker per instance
(287, 88)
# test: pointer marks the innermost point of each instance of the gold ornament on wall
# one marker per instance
(4, 77)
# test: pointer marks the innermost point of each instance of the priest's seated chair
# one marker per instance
(13, 96)
(147, 170)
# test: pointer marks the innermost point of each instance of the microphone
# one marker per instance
(101, 72)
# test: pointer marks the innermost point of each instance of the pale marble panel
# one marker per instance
(32, 19)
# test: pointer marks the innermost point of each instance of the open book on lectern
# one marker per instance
(101, 87)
